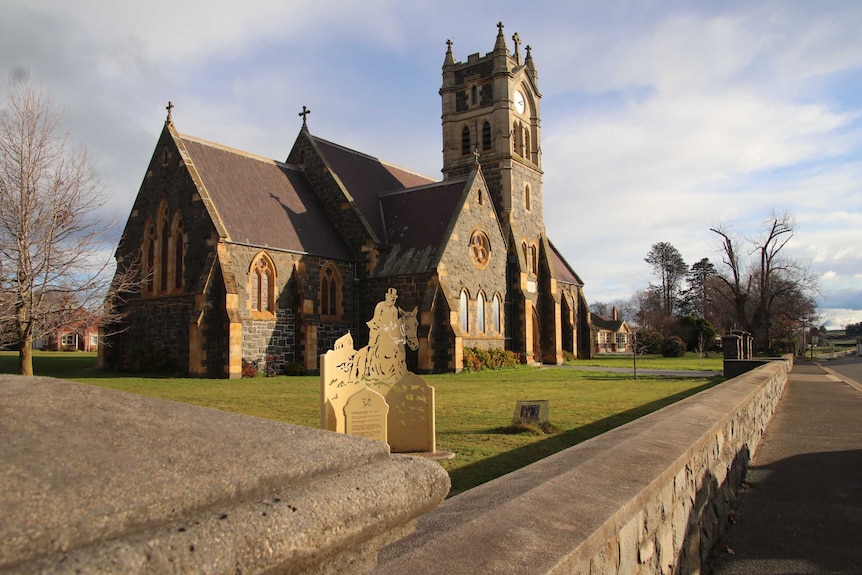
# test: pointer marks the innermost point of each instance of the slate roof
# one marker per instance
(263, 202)
(606, 324)
(366, 177)
(561, 269)
(416, 221)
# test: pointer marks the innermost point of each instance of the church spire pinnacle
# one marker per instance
(449, 60)
(500, 45)
(531, 67)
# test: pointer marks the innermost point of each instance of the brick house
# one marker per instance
(246, 258)
(80, 334)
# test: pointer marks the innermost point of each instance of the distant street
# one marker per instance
(847, 366)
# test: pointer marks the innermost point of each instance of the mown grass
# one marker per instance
(691, 362)
(474, 410)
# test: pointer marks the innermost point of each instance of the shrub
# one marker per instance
(649, 341)
(471, 360)
(673, 346)
(293, 368)
(476, 359)
(248, 369)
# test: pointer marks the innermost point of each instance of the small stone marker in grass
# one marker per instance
(532, 412)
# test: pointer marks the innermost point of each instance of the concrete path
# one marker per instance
(802, 513)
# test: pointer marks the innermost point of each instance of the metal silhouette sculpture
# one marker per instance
(381, 366)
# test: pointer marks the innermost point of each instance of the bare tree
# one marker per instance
(766, 290)
(54, 245)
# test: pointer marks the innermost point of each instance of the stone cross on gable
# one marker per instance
(169, 108)
(500, 26)
(517, 40)
(305, 112)
(476, 155)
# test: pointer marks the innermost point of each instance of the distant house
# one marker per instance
(610, 335)
(81, 334)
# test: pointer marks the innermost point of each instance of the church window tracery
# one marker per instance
(178, 238)
(149, 257)
(262, 286)
(480, 248)
(330, 290)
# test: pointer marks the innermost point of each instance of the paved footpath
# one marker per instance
(802, 513)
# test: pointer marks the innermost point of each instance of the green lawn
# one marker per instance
(713, 362)
(474, 410)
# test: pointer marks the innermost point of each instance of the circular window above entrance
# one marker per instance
(480, 248)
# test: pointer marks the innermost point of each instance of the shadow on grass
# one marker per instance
(68, 364)
(480, 472)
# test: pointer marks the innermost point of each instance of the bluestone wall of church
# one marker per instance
(160, 322)
(281, 341)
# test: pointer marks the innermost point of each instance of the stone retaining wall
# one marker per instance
(652, 496)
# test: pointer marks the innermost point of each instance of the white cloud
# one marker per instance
(658, 121)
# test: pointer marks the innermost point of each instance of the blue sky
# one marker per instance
(659, 119)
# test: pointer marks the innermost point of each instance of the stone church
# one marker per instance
(245, 259)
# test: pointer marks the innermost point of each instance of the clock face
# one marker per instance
(520, 105)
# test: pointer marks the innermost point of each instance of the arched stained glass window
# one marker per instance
(330, 288)
(262, 284)
(480, 312)
(496, 314)
(465, 316)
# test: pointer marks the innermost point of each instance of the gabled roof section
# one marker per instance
(417, 221)
(607, 324)
(262, 202)
(561, 270)
(365, 177)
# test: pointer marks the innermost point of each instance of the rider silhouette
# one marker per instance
(385, 319)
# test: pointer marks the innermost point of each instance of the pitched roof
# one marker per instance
(263, 202)
(416, 220)
(366, 177)
(561, 270)
(606, 324)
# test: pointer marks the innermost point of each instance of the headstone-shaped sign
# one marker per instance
(532, 412)
(380, 367)
(365, 415)
(411, 415)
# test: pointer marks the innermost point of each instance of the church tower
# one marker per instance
(491, 116)
(491, 111)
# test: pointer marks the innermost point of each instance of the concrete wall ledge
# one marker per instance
(99, 481)
(649, 497)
